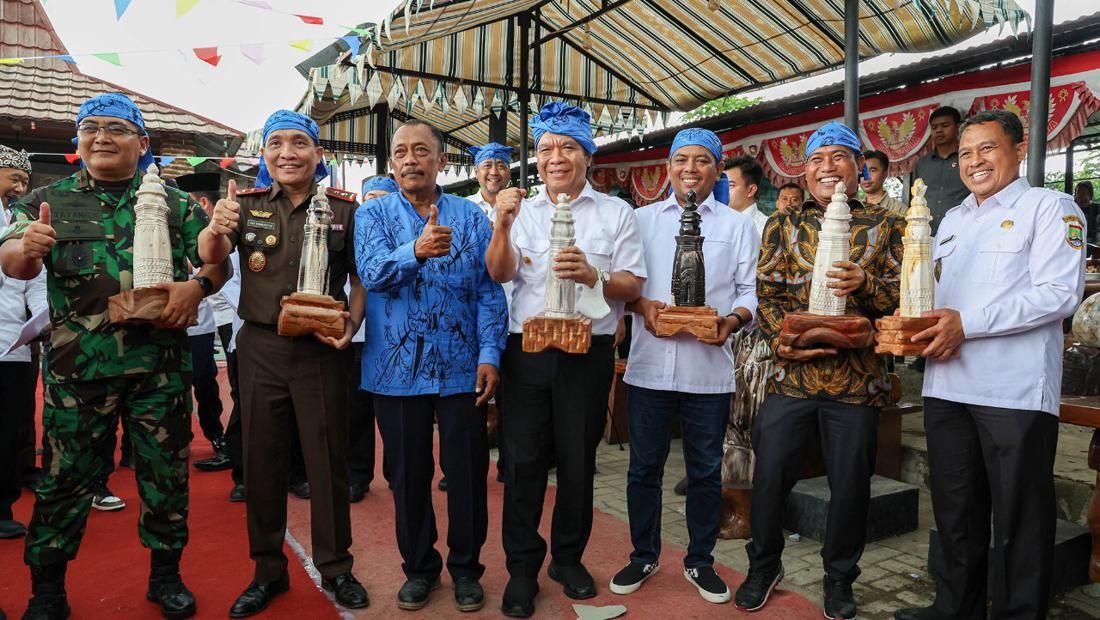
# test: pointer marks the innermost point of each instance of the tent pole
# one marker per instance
(381, 137)
(1040, 91)
(1068, 187)
(524, 94)
(851, 64)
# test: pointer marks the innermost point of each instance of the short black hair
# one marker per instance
(1008, 121)
(435, 130)
(879, 155)
(790, 185)
(749, 167)
(946, 111)
(212, 196)
(1085, 184)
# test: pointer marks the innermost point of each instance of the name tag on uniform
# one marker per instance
(337, 227)
(260, 224)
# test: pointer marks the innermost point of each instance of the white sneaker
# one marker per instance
(107, 501)
(710, 585)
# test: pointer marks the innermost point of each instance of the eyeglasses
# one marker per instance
(117, 130)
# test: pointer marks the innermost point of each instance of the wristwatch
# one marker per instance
(205, 284)
(602, 276)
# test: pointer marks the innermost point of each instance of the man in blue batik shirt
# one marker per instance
(435, 329)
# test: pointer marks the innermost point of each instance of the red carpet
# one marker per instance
(108, 578)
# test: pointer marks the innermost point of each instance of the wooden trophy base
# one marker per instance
(572, 335)
(895, 334)
(701, 322)
(304, 313)
(736, 508)
(135, 306)
(803, 330)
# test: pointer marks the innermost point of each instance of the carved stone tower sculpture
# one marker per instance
(311, 309)
(559, 326)
(152, 256)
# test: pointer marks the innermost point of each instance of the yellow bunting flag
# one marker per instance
(183, 6)
(11, 61)
(302, 44)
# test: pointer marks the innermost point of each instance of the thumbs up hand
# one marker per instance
(39, 237)
(435, 240)
(227, 213)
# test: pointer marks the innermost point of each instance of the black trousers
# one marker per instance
(302, 379)
(361, 425)
(406, 424)
(553, 407)
(233, 425)
(17, 382)
(781, 434)
(990, 461)
(205, 384)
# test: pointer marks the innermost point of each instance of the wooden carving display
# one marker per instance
(826, 324)
(559, 326)
(895, 333)
(689, 312)
(152, 256)
(311, 309)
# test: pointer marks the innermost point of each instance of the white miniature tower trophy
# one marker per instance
(311, 309)
(917, 286)
(560, 326)
(152, 256)
(826, 324)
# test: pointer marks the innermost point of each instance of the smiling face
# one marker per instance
(291, 157)
(829, 165)
(13, 184)
(416, 158)
(562, 164)
(110, 147)
(788, 197)
(492, 175)
(989, 161)
(692, 168)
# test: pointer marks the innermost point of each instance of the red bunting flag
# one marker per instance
(208, 55)
(72, 157)
(309, 19)
(225, 161)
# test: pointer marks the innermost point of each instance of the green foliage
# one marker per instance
(721, 106)
(1085, 168)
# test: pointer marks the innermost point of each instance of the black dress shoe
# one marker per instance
(218, 462)
(347, 590)
(300, 490)
(839, 600)
(175, 600)
(11, 529)
(442, 486)
(356, 492)
(469, 596)
(257, 596)
(577, 583)
(921, 613)
(237, 494)
(519, 597)
(414, 594)
(681, 487)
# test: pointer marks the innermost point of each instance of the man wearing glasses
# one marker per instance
(80, 230)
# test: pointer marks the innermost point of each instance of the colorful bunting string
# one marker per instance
(208, 55)
(184, 6)
(120, 7)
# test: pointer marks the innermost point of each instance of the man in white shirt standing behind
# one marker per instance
(1009, 267)
(491, 168)
(681, 376)
(744, 175)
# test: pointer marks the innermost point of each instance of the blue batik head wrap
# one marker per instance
(285, 119)
(379, 183)
(565, 120)
(835, 133)
(491, 151)
(707, 139)
(116, 105)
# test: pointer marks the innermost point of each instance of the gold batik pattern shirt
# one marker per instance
(784, 273)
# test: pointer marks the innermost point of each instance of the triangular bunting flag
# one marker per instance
(120, 7)
(310, 19)
(194, 161)
(253, 52)
(166, 160)
(72, 157)
(353, 43)
(209, 55)
(374, 89)
(302, 44)
(479, 101)
(337, 82)
(460, 102)
(11, 61)
(110, 57)
(259, 4)
(184, 6)
(225, 161)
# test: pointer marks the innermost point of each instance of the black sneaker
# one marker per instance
(629, 579)
(757, 587)
(710, 585)
(839, 600)
(469, 595)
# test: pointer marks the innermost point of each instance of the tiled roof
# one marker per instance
(52, 90)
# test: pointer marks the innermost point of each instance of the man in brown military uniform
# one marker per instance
(284, 379)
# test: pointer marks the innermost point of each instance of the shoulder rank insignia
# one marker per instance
(1007, 224)
(1075, 232)
(260, 214)
(332, 192)
(254, 190)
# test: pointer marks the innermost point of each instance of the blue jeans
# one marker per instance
(703, 419)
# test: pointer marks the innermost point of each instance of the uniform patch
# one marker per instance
(1075, 232)
(270, 239)
(257, 261)
(250, 237)
(1007, 224)
(265, 225)
(258, 213)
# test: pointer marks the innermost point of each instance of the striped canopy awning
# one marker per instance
(455, 62)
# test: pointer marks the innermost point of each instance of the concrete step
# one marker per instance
(893, 509)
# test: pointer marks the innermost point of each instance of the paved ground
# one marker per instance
(894, 571)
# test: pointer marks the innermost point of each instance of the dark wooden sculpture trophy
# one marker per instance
(689, 312)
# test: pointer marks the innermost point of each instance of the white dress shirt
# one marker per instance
(16, 296)
(731, 247)
(231, 293)
(757, 217)
(1011, 270)
(607, 233)
(358, 337)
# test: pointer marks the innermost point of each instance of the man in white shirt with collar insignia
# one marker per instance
(744, 175)
(1009, 268)
(553, 404)
(682, 376)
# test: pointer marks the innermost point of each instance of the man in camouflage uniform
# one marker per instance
(81, 230)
